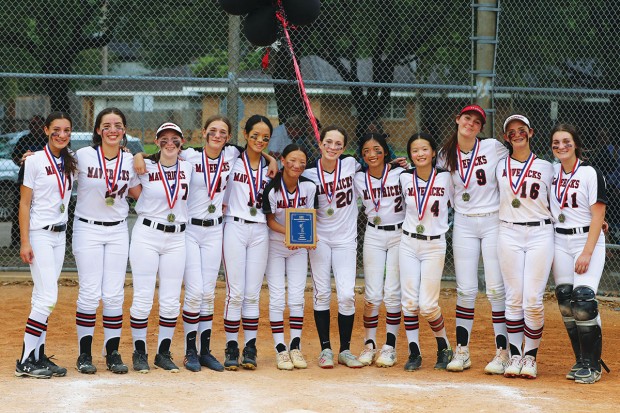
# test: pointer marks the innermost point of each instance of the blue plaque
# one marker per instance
(300, 227)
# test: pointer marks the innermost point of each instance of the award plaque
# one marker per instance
(300, 227)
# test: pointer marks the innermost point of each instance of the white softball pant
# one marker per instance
(49, 254)
(154, 252)
(202, 265)
(421, 263)
(293, 264)
(341, 257)
(101, 257)
(381, 274)
(567, 249)
(246, 247)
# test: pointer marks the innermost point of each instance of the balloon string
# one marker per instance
(300, 80)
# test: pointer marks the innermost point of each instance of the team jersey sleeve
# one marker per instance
(237, 150)
(501, 149)
(450, 189)
(28, 174)
(269, 206)
(597, 190)
(315, 196)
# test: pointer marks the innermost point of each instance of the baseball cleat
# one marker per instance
(164, 361)
(30, 368)
(587, 375)
(114, 363)
(461, 360)
(249, 358)
(85, 365)
(348, 359)
(209, 361)
(414, 363)
(298, 359)
(443, 358)
(576, 367)
(326, 359)
(191, 361)
(514, 367)
(140, 362)
(529, 368)
(387, 357)
(283, 361)
(56, 370)
(499, 363)
(367, 356)
(231, 357)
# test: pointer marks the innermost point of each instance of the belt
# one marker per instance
(534, 223)
(572, 231)
(56, 228)
(206, 222)
(387, 227)
(487, 214)
(105, 224)
(245, 221)
(420, 236)
(162, 227)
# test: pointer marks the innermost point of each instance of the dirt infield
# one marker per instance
(370, 389)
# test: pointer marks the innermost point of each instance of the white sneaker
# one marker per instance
(283, 360)
(348, 359)
(529, 370)
(326, 359)
(499, 363)
(514, 367)
(387, 357)
(460, 360)
(298, 359)
(367, 356)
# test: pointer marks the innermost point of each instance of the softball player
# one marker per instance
(578, 206)
(379, 189)
(472, 163)
(100, 237)
(245, 243)
(287, 190)
(158, 246)
(427, 193)
(524, 242)
(46, 180)
(333, 175)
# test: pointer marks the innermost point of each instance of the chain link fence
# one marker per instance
(396, 66)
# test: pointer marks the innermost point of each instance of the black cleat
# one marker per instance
(56, 370)
(414, 363)
(164, 361)
(31, 368)
(115, 364)
(209, 361)
(443, 358)
(85, 364)
(140, 362)
(249, 358)
(231, 358)
(191, 361)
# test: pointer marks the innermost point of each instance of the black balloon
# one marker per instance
(240, 7)
(302, 12)
(261, 26)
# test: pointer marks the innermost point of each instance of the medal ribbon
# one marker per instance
(561, 195)
(211, 184)
(319, 171)
(466, 176)
(526, 168)
(368, 181)
(254, 184)
(60, 173)
(172, 193)
(117, 168)
(296, 195)
(421, 201)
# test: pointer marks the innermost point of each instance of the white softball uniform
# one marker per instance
(284, 262)
(585, 188)
(246, 247)
(525, 246)
(337, 232)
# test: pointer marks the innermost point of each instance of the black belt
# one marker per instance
(162, 227)
(572, 231)
(387, 227)
(105, 224)
(56, 228)
(206, 222)
(245, 221)
(534, 223)
(420, 236)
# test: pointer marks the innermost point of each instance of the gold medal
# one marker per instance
(330, 212)
(109, 201)
(516, 203)
(171, 217)
(419, 229)
(376, 220)
(562, 218)
(211, 209)
(466, 197)
(253, 211)
(62, 208)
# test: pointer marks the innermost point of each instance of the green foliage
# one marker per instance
(216, 64)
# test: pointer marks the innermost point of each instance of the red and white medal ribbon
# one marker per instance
(560, 194)
(254, 184)
(521, 179)
(466, 173)
(172, 193)
(421, 200)
(117, 169)
(284, 192)
(211, 184)
(61, 178)
(319, 170)
(384, 177)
